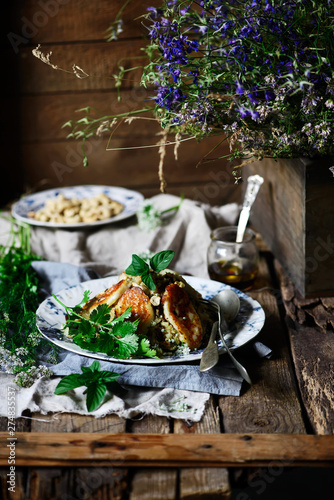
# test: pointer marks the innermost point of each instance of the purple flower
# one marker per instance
(239, 89)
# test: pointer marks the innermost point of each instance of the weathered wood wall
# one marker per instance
(39, 100)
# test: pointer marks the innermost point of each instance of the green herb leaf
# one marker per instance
(158, 262)
(91, 377)
(68, 383)
(137, 267)
(108, 377)
(101, 314)
(128, 345)
(95, 395)
(94, 367)
(148, 280)
(161, 260)
(145, 349)
(21, 341)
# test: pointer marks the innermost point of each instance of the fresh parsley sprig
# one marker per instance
(21, 343)
(98, 333)
(96, 381)
(157, 263)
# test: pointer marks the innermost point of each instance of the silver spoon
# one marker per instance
(229, 303)
(210, 355)
(253, 185)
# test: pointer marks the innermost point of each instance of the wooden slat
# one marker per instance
(60, 163)
(313, 355)
(172, 450)
(56, 22)
(154, 484)
(97, 60)
(309, 323)
(203, 482)
(21, 425)
(20, 485)
(44, 115)
(55, 483)
(271, 404)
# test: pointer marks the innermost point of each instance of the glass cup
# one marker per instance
(233, 263)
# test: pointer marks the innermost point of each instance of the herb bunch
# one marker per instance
(146, 270)
(116, 337)
(20, 341)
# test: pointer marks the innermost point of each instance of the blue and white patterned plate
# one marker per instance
(51, 317)
(131, 200)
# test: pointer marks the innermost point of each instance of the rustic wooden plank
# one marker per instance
(19, 492)
(72, 20)
(44, 115)
(60, 163)
(22, 424)
(282, 190)
(203, 482)
(294, 212)
(73, 422)
(171, 450)
(313, 355)
(271, 404)
(312, 346)
(21, 475)
(98, 62)
(55, 483)
(154, 484)
(103, 483)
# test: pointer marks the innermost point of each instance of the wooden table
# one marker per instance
(285, 419)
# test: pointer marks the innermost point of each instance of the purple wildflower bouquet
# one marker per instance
(260, 71)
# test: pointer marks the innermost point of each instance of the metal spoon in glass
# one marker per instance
(227, 305)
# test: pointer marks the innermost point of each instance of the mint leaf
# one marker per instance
(161, 260)
(108, 377)
(95, 395)
(94, 367)
(148, 280)
(69, 382)
(137, 267)
(92, 378)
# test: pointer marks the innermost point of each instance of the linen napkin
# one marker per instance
(222, 379)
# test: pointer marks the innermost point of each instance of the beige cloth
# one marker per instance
(108, 250)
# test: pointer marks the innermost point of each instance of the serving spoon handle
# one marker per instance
(210, 355)
(241, 369)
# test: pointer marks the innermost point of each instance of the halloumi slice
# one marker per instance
(109, 296)
(141, 307)
(180, 312)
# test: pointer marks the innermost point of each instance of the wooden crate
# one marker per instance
(294, 213)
